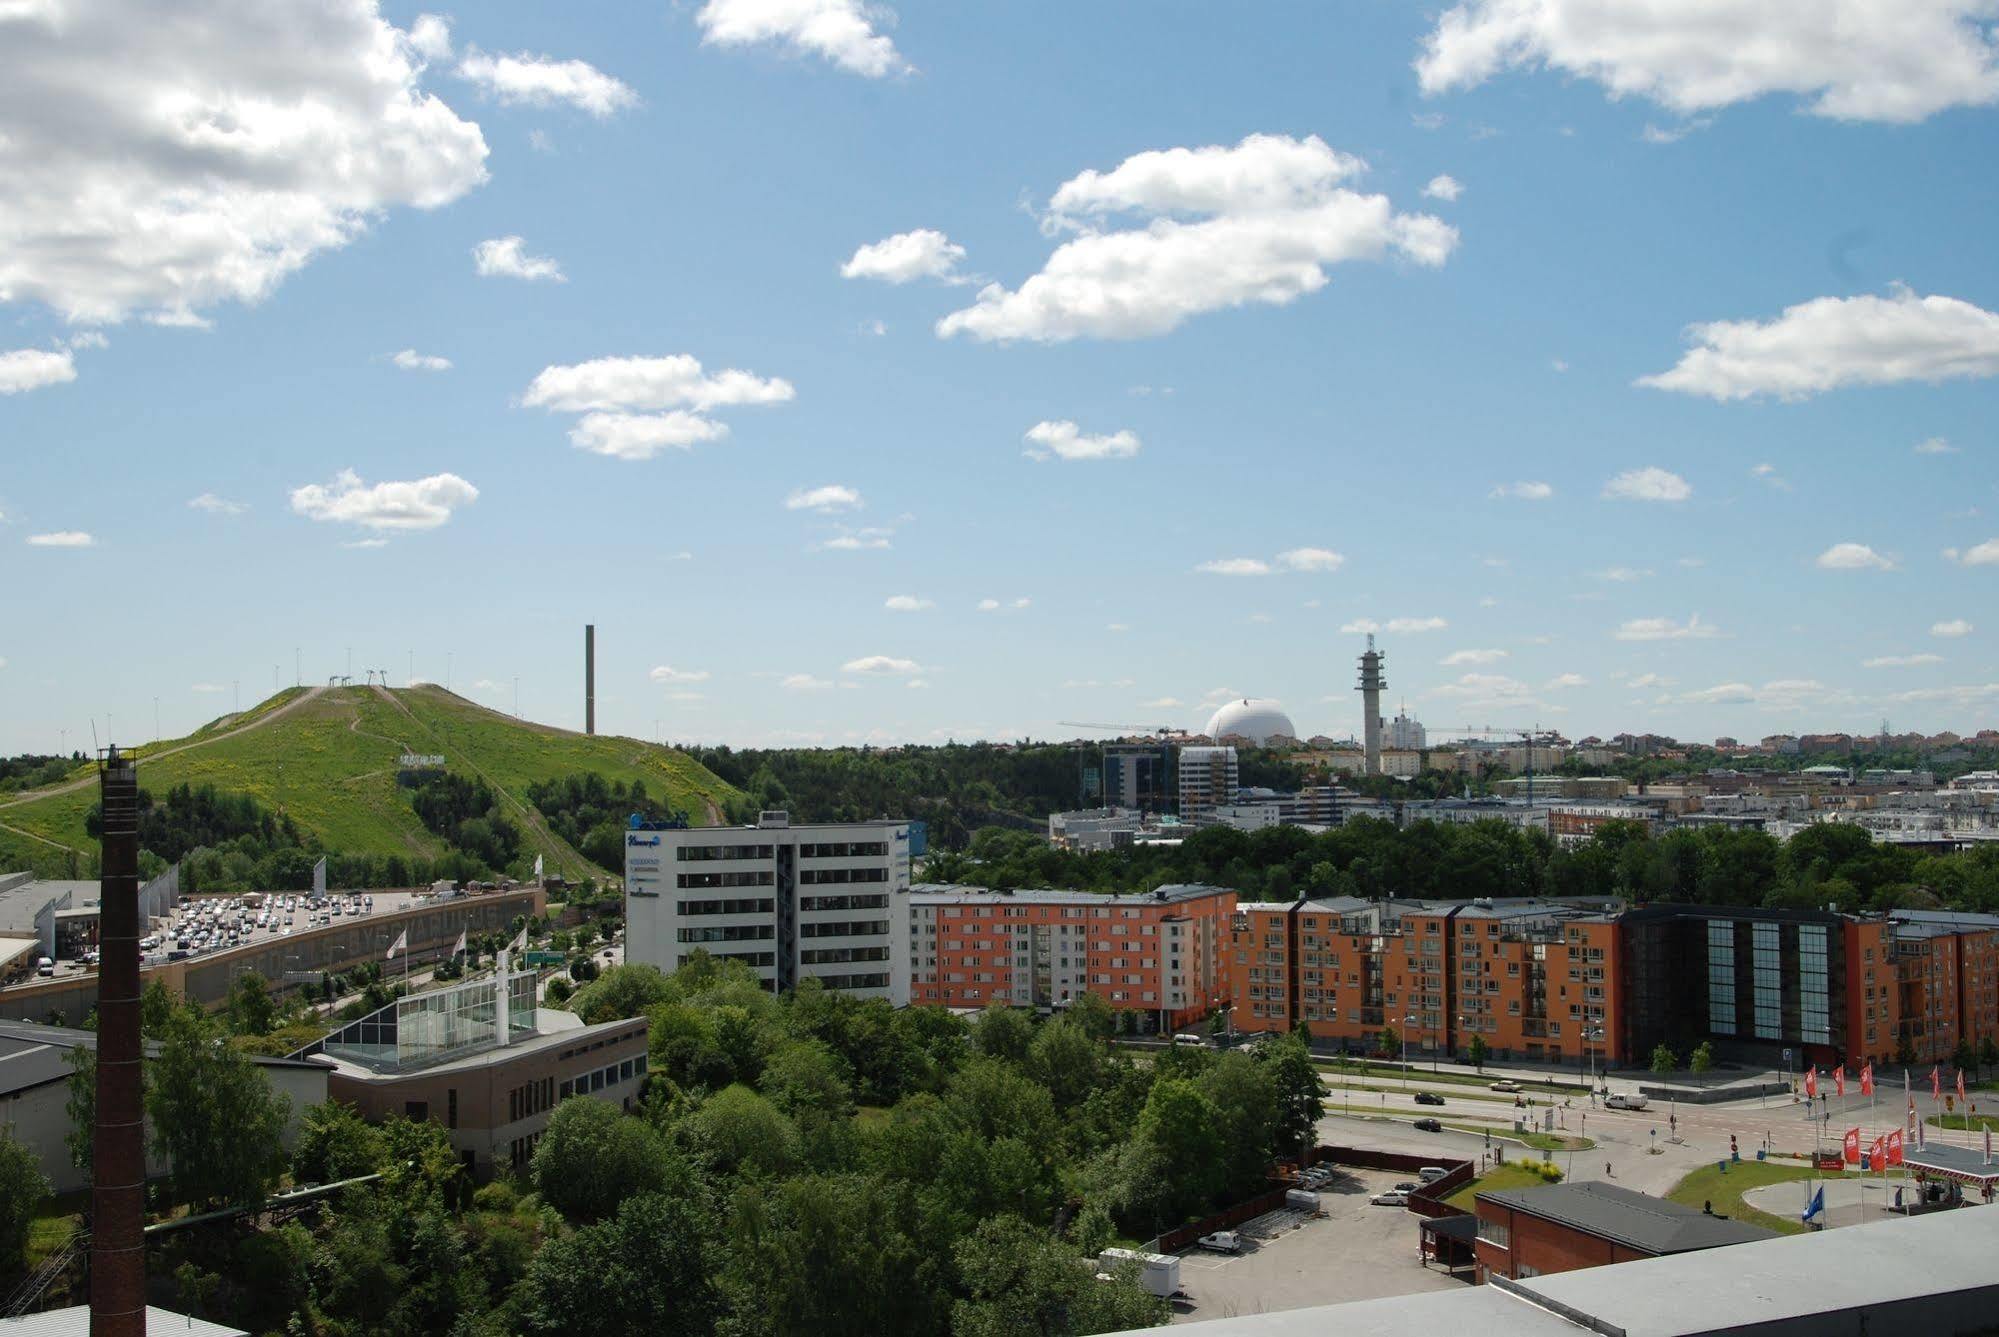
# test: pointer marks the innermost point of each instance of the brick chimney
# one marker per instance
(118, 1153)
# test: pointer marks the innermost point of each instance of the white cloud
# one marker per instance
(1722, 694)
(804, 682)
(62, 538)
(825, 500)
(1063, 440)
(841, 31)
(1768, 473)
(411, 360)
(865, 539)
(907, 603)
(1445, 188)
(1310, 559)
(924, 253)
(1558, 364)
(430, 37)
(1022, 602)
(1117, 626)
(1484, 689)
(1623, 574)
(1852, 557)
(507, 258)
(1665, 629)
(1957, 626)
(542, 81)
(668, 673)
(158, 168)
(208, 688)
(1564, 681)
(424, 503)
(1459, 658)
(215, 505)
(1983, 554)
(1648, 484)
(1235, 566)
(1831, 342)
(881, 666)
(1407, 626)
(1222, 227)
(1649, 680)
(30, 368)
(1673, 134)
(1162, 703)
(989, 605)
(1900, 661)
(1855, 60)
(1360, 626)
(640, 436)
(1935, 445)
(366, 543)
(1524, 491)
(635, 407)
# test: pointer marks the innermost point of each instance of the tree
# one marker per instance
(1964, 1058)
(1477, 1051)
(252, 1011)
(1300, 1097)
(593, 1156)
(1067, 1061)
(805, 1079)
(334, 1143)
(1180, 1130)
(1701, 1059)
(621, 991)
(23, 1188)
(1664, 1061)
(1021, 1282)
(215, 1120)
(736, 1131)
(1387, 1042)
(1243, 1094)
(1988, 1054)
(1003, 1033)
(1095, 1015)
(646, 1270)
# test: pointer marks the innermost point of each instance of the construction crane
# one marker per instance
(1527, 736)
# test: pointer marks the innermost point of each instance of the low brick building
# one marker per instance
(1532, 1232)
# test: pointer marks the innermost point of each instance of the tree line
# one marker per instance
(1826, 864)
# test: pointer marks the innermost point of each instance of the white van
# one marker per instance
(1622, 1102)
(1193, 1041)
(1157, 1272)
(1430, 1174)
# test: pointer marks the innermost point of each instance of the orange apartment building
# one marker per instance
(1947, 980)
(1162, 955)
(1533, 979)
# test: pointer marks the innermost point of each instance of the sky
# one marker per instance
(913, 371)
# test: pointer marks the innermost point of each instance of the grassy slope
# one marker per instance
(331, 763)
(1725, 1191)
(1494, 1180)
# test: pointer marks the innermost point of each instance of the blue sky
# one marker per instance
(1291, 365)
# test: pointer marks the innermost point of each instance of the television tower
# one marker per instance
(1371, 683)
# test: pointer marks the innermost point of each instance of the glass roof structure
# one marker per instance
(429, 1028)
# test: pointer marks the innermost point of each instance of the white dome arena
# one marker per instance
(1258, 721)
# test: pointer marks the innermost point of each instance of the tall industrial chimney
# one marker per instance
(118, 1164)
(1371, 683)
(590, 678)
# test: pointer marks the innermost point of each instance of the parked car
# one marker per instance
(1222, 1241)
(1430, 1174)
(1407, 1186)
(1428, 1098)
(1507, 1086)
(1393, 1197)
(1429, 1126)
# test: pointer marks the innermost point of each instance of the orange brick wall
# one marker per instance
(1539, 1247)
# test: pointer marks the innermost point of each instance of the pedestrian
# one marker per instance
(1606, 1170)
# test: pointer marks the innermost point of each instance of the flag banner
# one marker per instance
(1867, 1080)
(401, 944)
(1815, 1204)
(1936, 1086)
(319, 877)
(1811, 1084)
(1960, 1086)
(1988, 1146)
(1850, 1152)
(1877, 1155)
(1839, 1081)
(1895, 1147)
(537, 868)
(459, 948)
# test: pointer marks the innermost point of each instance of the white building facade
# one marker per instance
(822, 901)
(1209, 777)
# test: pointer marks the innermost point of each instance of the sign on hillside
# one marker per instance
(421, 761)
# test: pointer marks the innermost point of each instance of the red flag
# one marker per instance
(1877, 1155)
(1936, 1087)
(1960, 1086)
(1811, 1084)
(1839, 1080)
(1850, 1151)
(1895, 1147)
(1867, 1080)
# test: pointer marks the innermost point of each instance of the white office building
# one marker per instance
(1209, 777)
(826, 902)
(1405, 734)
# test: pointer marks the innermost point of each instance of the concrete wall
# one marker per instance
(433, 930)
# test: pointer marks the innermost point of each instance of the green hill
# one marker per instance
(327, 756)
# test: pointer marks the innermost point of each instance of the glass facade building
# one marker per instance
(427, 1028)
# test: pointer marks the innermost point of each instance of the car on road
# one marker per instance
(1428, 1098)
(1624, 1102)
(1506, 1086)
(1428, 1126)
(1394, 1197)
(1222, 1241)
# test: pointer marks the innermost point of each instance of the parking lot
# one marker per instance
(1355, 1251)
(204, 925)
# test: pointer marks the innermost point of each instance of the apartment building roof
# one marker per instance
(948, 893)
(1655, 1225)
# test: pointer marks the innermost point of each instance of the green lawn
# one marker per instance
(1392, 1076)
(1499, 1177)
(331, 764)
(46, 1232)
(1725, 1191)
(1961, 1122)
(1538, 1141)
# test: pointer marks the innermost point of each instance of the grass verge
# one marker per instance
(1493, 1180)
(1711, 1185)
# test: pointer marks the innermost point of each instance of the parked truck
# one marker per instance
(1157, 1272)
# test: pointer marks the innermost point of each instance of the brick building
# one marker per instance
(1162, 955)
(1532, 1232)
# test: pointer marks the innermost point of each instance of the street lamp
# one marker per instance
(1407, 1022)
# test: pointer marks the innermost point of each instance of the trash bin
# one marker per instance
(1721, 1166)
(1761, 1154)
